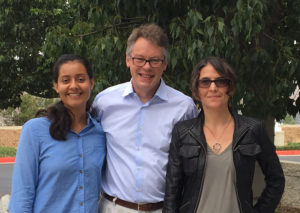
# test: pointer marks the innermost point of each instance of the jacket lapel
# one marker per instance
(196, 130)
(240, 128)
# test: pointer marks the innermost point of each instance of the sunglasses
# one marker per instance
(219, 82)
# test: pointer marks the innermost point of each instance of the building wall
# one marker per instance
(291, 133)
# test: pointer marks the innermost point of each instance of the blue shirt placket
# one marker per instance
(139, 150)
(81, 174)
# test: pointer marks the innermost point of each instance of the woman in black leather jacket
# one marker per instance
(212, 157)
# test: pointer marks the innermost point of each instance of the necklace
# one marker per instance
(217, 145)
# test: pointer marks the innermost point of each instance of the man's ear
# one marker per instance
(165, 64)
(127, 61)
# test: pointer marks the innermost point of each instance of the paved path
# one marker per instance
(5, 185)
(5, 178)
(294, 158)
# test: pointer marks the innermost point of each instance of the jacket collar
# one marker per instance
(240, 127)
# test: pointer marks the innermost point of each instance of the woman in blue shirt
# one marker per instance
(60, 156)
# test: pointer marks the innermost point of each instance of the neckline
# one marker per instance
(219, 154)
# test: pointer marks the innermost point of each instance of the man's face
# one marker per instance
(145, 79)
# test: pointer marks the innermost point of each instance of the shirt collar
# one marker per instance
(128, 89)
(161, 91)
(90, 120)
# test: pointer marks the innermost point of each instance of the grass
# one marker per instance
(290, 146)
(7, 151)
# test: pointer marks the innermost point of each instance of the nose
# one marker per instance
(73, 83)
(212, 86)
(147, 65)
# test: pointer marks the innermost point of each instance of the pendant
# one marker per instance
(217, 147)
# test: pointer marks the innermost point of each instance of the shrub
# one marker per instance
(290, 146)
(29, 106)
(7, 151)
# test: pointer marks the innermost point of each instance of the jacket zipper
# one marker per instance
(233, 150)
(202, 179)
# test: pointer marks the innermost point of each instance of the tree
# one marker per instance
(23, 26)
(257, 37)
(27, 110)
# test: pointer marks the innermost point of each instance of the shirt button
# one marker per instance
(80, 171)
(138, 189)
(80, 155)
(81, 203)
(137, 148)
(140, 128)
(80, 187)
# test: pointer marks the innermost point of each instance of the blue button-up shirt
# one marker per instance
(138, 137)
(57, 176)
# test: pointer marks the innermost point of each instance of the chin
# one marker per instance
(214, 106)
(76, 106)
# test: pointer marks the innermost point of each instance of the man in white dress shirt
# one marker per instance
(138, 118)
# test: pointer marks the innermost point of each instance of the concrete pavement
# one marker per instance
(4, 203)
(5, 178)
(5, 186)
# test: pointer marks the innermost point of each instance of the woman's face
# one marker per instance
(74, 85)
(212, 96)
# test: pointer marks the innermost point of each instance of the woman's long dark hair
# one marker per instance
(58, 114)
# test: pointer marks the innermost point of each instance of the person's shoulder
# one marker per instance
(176, 92)
(186, 125)
(37, 122)
(36, 126)
(249, 121)
(183, 127)
(113, 89)
(177, 95)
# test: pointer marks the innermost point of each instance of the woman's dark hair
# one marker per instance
(221, 66)
(58, 114)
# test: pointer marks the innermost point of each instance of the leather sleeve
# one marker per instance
(174, 175)
(271, 167)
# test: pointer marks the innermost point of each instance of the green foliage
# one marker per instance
(7, 151)
(288, 120)
(23, 25)
(290, 146)
(256, 37)
(27, 110)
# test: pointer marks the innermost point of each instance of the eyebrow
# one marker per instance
(152, 57)
(211, 78)
(80, 74)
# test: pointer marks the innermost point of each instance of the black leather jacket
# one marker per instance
(187, 160)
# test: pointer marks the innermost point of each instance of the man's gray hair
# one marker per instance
(152, 33)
